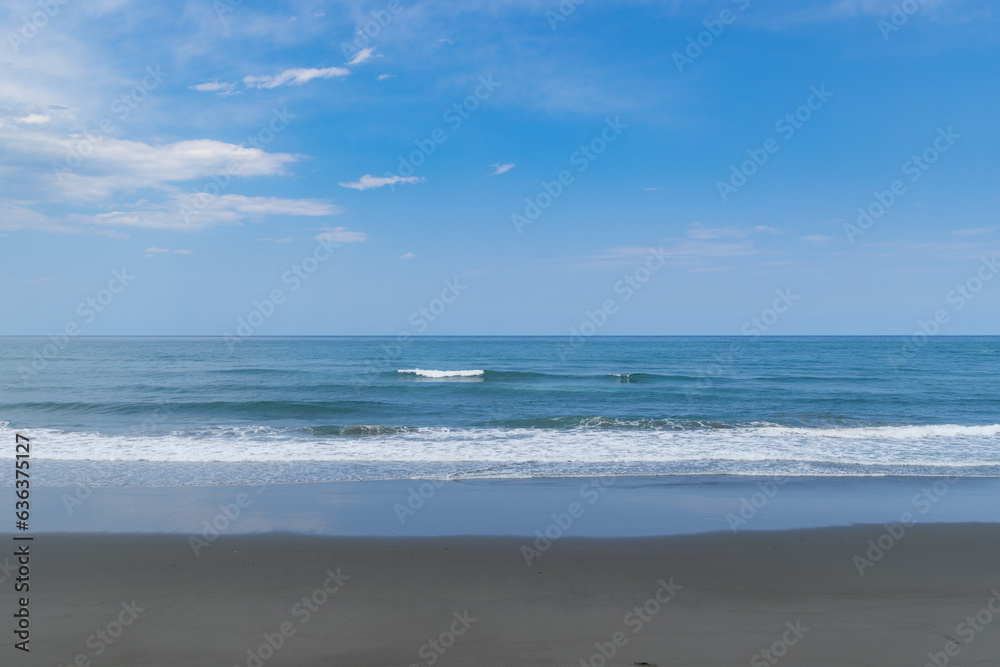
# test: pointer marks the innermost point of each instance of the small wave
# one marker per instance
(586, 422)
(441, 374)
(360, 430)
(876, 433)
(632, 377)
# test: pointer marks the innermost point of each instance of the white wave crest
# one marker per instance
(718, 450)
(441, 374)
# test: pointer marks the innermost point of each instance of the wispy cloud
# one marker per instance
(153, 251)
(368, 182)
(223, 88)
(201, 210)
(362, 56)
(501, 168)
(978, 231)
(294, 77)
(118, 165)
(699, 231)
(341, 235)
(33, 119)
(407, 255)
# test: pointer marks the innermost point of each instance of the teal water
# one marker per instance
(187, 410)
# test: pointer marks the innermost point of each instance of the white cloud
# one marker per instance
(700, 232)
(341, 235)
(362, 56)
(501, 168)
(223, 88)
(710, 269)
(94, 168)
(367, 182)
(383, 77)
(407, 255)
(294, 77)
(259, 206)
(191, 212)
(151, 252)
(14, 216)
(816, 238)
(33, 119)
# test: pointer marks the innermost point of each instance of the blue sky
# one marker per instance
(361, 161)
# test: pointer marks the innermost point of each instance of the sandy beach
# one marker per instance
(709, 599)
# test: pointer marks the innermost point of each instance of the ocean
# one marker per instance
(181, 411)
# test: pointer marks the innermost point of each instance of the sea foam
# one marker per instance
(441, 374)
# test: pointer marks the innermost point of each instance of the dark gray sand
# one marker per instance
(715, 599)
